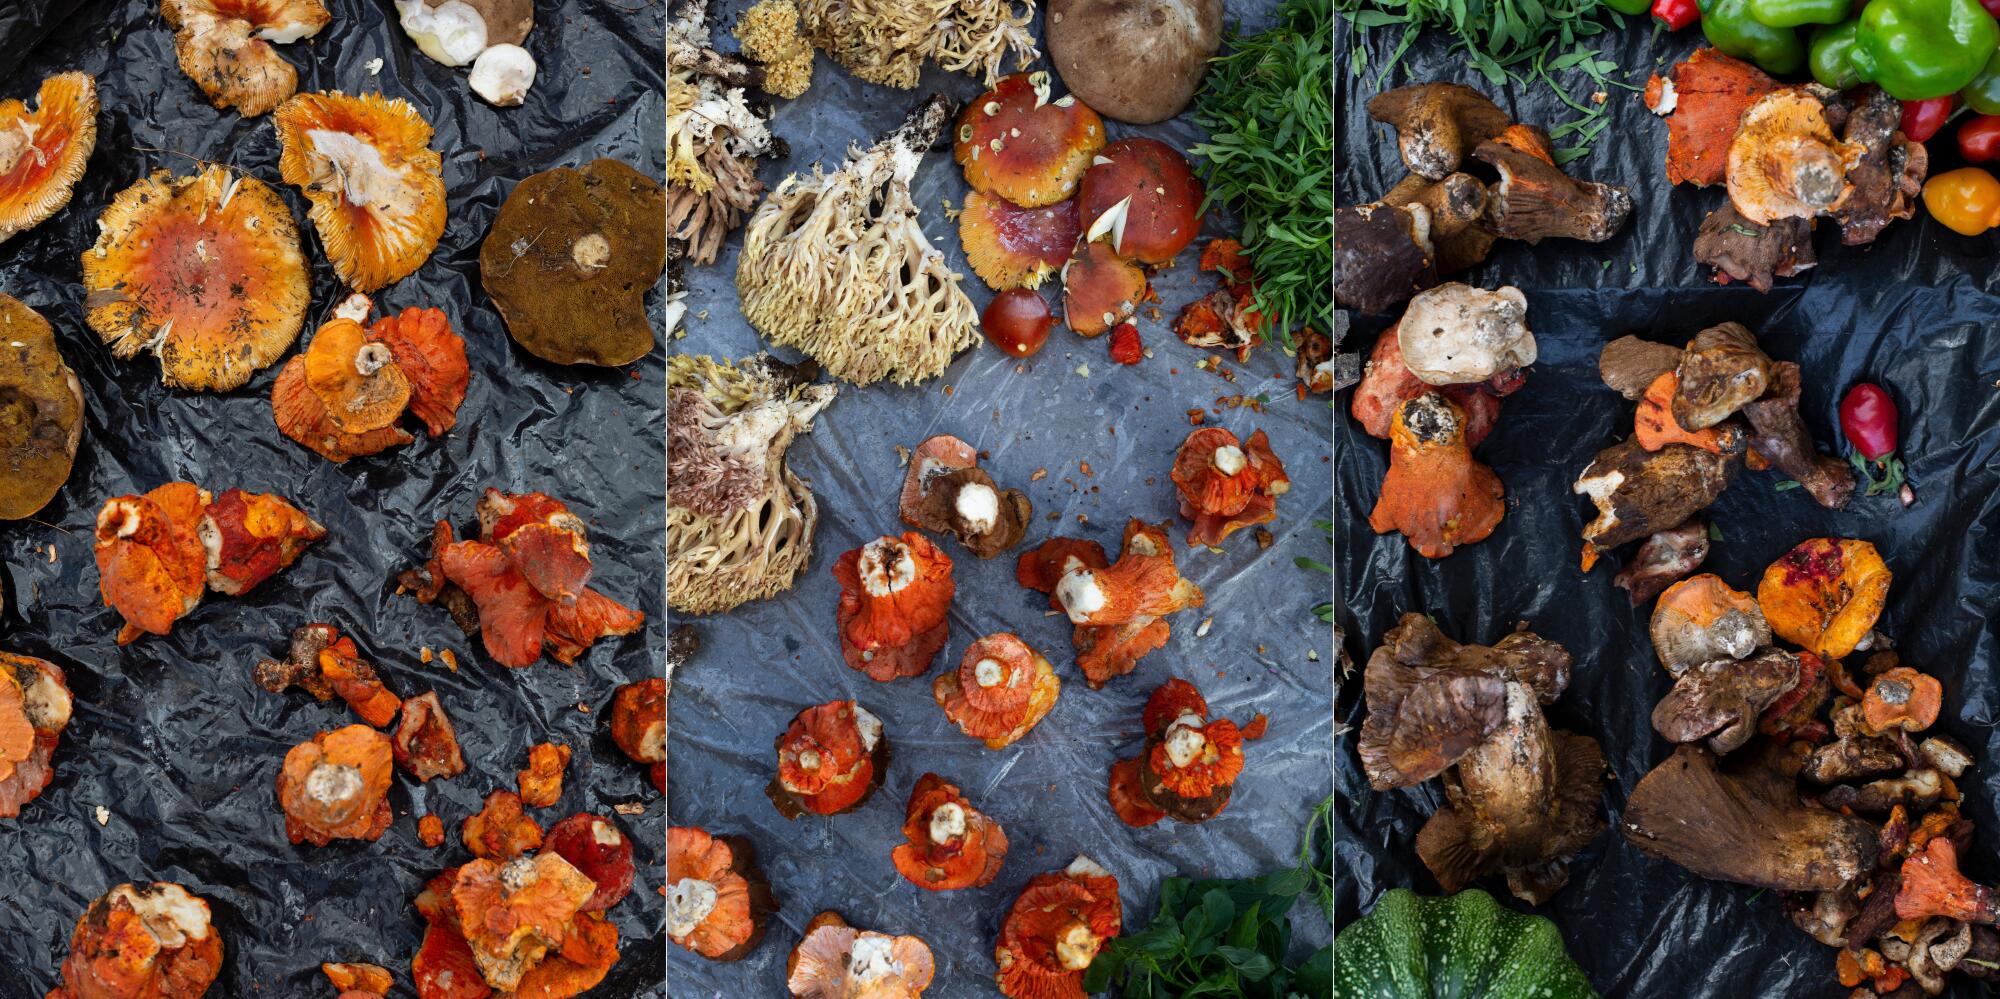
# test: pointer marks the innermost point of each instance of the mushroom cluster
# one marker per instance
(1227, 484)
(835, 265)
(35, 706)
(951, 845)
(326, 664)
(376, 187)
(525, 925)
(41, 412)
(43, 152)
(895, 598)
(153, 941)
(344, 396)
(714, 137)
(488, 34)
(946, 492)
(1058, 924)
(1188, 766)
(1001, 690)
(1141, 205)
(336, 786)
(769, 33)
(1475, 177)
(718, 901)
(639, 725)
(224, 46)
(838, 961)
(158, 553)
(1023, 153)
(1119, 609)
(1521, 798)
(830, 759)
(888, 42)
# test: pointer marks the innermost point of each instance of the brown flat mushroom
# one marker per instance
(1639, 492)
(1138, 61)
(41, 412)
(1852, 757)
(1721, 700)
(1700, 619)
(224, 46)
(1742, 250)
(1535, 200)
(1629, 365)
(1721, 371)
(43, 152)
(570, 258)
(1454, 208)
(1663, 560)
(1017, 144)
(1780, 435)
(1382, 255)
(1438, 124)
(967, 504)
(1785, 162)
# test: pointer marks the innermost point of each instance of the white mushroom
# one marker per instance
(452, 33)
(1455, 334)
(502, 75)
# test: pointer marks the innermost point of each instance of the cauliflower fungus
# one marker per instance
(886, 41)
(714, 138)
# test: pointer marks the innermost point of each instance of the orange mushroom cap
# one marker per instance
(432, 357)
(1225, 484)
(1055, 929)
(224, 47)
(1436, 493)
(639, 720)
(1143, 583)
(1825, 594)
(594, 845)
(1141, 193)
(1902, 698)
(301, 416)
(443, 967)
(1001, 690)
(153, 940)
(1127, 801)
(358, 382)
(426, 742)
(951, 845)
(249, 537)
(1217, 763)
(35, 707)
(355, 681)
(1043, 566)
(202, 271)
(1169, 701)
(1100, 288)
(588, 951)
(500, 830)
(1014, 247)
(377, 194)
(837, 961)
(541, 783)
(895, 594)
(1017, 144)
(717, 900)
(358, 977)
(43, 152)
(150, 565)
(336, 786)
(515, 913)
(827, 758)
(527, 580)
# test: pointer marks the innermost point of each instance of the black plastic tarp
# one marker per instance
(171, 737)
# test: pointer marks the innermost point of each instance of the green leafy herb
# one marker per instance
(1785, 485)
(1322, 611)
(1744, 230)
(1714, 531)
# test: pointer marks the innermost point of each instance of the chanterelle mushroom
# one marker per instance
(43, 152)
(714, 138)
(225, 47)
(1454, 334)
(375, 184)
(41, 412)
(886, 42)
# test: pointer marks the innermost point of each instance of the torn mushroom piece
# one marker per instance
(1702, 103)
(1639, 493)
(1189, 764)
(1226, 484)
(1742, 250)
(838, 961)
(35, 706)
(1018, 144)
(377, 194)
(714, 135)
(1227, 318)
(203, 272)
(1534, 200)
(1143, 195)
(1700, 620)
(1119, 609)
(639, 724)
(150, 564)
(1825, 594)
(1056, 927)
(523, 922)
(336, 786)
(594, 845)
(1438, 124)
(541, 782)
(895, 593)
(345, 395)
(1784, 161)
(1001, 690)
(426, 742)
(1654, 425)
(1101, 289)
(946, 491)
(359, 981)
(326, 664)
(224, 46)
(717, 899)
(155, 940)
(1435, 493)
(1780, 435)
(43, 406)
(830, 759)
(501, 829)
(1889, 178)
(951, 845)
(247, 538)
(1014, 247)
(1721, 700)
(43, 152)
(1455, 334)
(1665, 559)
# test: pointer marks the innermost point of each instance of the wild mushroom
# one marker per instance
(143, 940)
(426, 742)
(502, 75)
(1654, 425)
(1189, 764)
(524, 923)
(1142, 193)
(594, 845)
(1700, 620)
(1382, 255)
(1438, 124)
(895, 594)
(1534, 200)
(43, 152)
(375, 184)
(1100, 288)
(1435, 493)
(41, 412)
(1825, 594)
(204, 272)
(1001, 690)
(639, 724)
(1455, 334)
(569, 260)
(1852, 757)
(1056, 927)
(1702, 104)
(358, 978)
(1665, 559)
(1742, 250)
(1933, 886)
(336, 786)
(1226, 484)
(1014, 247)
(1119, 609)
(1228, 318)
(838, 961)
(1784, 161)
(836, 266)
(501, 829)
(1137, 62)
(1630, 366)
(1720, 700)
(540, 784)
(35, 707)
(945, 491)
(1743, 822)
(1640, 493)
(326, 664)
(225, 48)
(886, 44)
(951, 845)
(769, 33)
(1917, 789)
(830, 760)
(1902, 699)
(150, 564)
(455, 32)
(1780, 435)
(1721, 371)
(1454, 212)
(714, 138)
(344, 395)
(717, 899)
(1386, 384)
(247, 538)
(1019, 145)
(1889, 178)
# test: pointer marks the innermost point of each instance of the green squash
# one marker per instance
(1463, 946)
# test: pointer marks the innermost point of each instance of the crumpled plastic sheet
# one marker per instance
(171, 737)
(764, 662)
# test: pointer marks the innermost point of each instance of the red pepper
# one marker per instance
(1678, 14)
(1869, 422)
(1922, 119)
(1979, 139)
(1992, 6)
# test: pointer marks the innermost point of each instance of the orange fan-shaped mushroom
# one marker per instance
(1119, 609)
(150, 564)
(895, 593)
(432, 358)
(377, 194)
(1055, 929)
(1226, 484)
(1001, 690)
(204, 272)
(225, 47)
(1016, 143)
(247, 538)
(155, 941)
(830, 759)
(837, 961)
(34, 709)
(1014, 247)
(336, 786)
(951, 844)
(1436, 493)
(43, 152)
(717, 899)
(1825, 594)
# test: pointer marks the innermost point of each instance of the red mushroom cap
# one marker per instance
(1100, 288)
(1143, 192)
(1014, 247)
(1016, 143)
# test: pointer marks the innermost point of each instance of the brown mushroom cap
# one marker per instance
(1438, 124)
(43, 152)
(204, 271)
(1721, 700)
(1142, 193)
(1721, 371)
(1138, 61)
(224, 46)
(1640, 493)
(1017, 143)
(1535, 200)
(569, 261)
(376, 186)
(1100, 289)
(1382, 255)
(1630, 365)
(41, 412)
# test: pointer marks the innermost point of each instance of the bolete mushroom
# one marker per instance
(1534, 200)
(1139, 61)
(1784, 161)
(1020, 145)
(1742, 250)
(1662, 561)
(895, 595)
(1700, 620)
(1454, 211)
(1055, 929)
(1889, 178)
(946, 492)
(1382, 255)
(1721, 371)
(1456, 334)
(717, 899)
(376, 186)
(1386, 384)
(224, 46)
(1438, 124)
(35, 706)
(1825, 594)
(1780, 435)
(1142, 193)
(1014, 247)
(1721, 700)
(838, 961)
(143, 940)
(830, 760)
(1640, 493)
(41, 412)
(1001, 690)
(43, 152)
(950, 844)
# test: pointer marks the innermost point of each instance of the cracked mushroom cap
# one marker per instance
(1142, 193)
(336, 786)
(35, 707)
(1100, 288)
(426, 742)
(43, 152)
(1438, 124)
(950, 845)
(594, 845)
(377, 193)
(1701, 619)
(837, 961)
(1014, 247)
(150, 562)
(202, 271)
(1785, 162)
(1018, 144)
(830, 759)
(1455, 334)
(143, 940)
(570, 258)
(1721, 700)
(41, 412)
(717, 899)
(224, 46)
(247, 538)
(1055, 929)
(1825, 594)
(514, 914)
(1001, 689)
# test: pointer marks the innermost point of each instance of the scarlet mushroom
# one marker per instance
(951, 845)
(1019, 145)
(326, 664)
(42, 403)
(204, 272)
(592, 844)
(1825, 594)
(1436, 493)
(1142, 194)
(1700, 620)
(1784, 161)
(945, 491)
(895, 593)
(1189, 764)
(247, 538)
(150, 565)
(500, 830)
(377, 194)
(426, 743)
(1226, 484)
(837, 961)
(43, 152)
(1100, 288)
(153, 940)
(1001, 690)
(541, 782)
(1119, 609)
(1014, 247)
(224, 46)
(830, 759)
(1137, 62)
(1386, 384)
(1057, 926)
(336, 786)
(639, 722)
(717, 899)
(35, 707)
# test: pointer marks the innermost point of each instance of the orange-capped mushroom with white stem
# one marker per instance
(951, 845)
(838, 961)
(1227, 484)
(718, 901)
(43, 152)
(153, 941)
(203, 271)
(1119, 608)
(831, 758)
(377, 193)
(224, 46)
(1001, 690)
(345, 395)
(336, 786)
(895, 601)
(1057, 926)
(1017, 143)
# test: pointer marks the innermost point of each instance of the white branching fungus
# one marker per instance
(887, 41)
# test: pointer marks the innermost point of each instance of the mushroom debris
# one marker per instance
(838, 961)
(522, 585)
(158, 553)
(153, 941)
(518, 926)
(1521, 798)
(1227, 484)
(426, 742)
(1001, 690)
(377, 193)
(715, 135)
(835, 265)
(541, 782)
(359, 981)
(1227, 318)
(946, 492)
(740, 522)
(203, 272)
(41, 412)
(326, 664)
(1118, 609)
(951, 845)
(346, 394)
(639, 725)
(895, 595)
(718, 900)
(488, 34)
(35, 706)
(1023, 154)
(1057, 926)
(336, 786)
(43, 152)
(224, 46)
(1140, 205)
(1188, 766)
(501, 829)
(830, 759)
(1475, 177)
(1140, 62)
(570, 258)
(888, 43)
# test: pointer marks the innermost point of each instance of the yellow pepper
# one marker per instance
(1966, 200)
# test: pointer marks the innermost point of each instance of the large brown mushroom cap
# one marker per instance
(1721, 371)
(569, 261)
(1438, 124)
(1016, 143)
(43, 152)
(1640, 493)
(1721, 700)
(375, 184)
(41, 412)
(1138, 61)
(224, 46)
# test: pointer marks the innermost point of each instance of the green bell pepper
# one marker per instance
(1828, 56)
(1982, 95)
(1920, 49)
(1793, 13)
(1629, 6)
(1733, 32)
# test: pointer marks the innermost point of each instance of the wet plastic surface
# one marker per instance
(171, 737)
(761, 664)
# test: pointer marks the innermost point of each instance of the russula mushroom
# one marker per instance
(1700, 620)
(1639, 493)
(947, 492)
(639, 724)
(377, 193)
(1455, 334)
(150, 564)
(326, 664)
(895, 593)
(1056, 927)
(1721, 371)
(1138, 62)
(836, 265)
(1142, 193)
(1100, 288)
(35, 707)
(740, 522)
(336, 786)
(41, 412)
(1784, 161)
(769, 33)
(1001, 690)
(950, 844)
(1438, 124)
(830, 759)
(569, 260)
(594, 845)
(1702, 103)
(717, 898)
(1825, 594)
(43, 152)
(1018, 144)
(344, 396)
(1663, 560)
(540, 783)
(224, 46)
(426, 742)
(1014, 247)
(1386, 384)
(714, 138)
(886, 43)
(143, 940)
(838, 961)
(1188, 766)
(204, 272)
(1720, 701)
(358, 979)
(1226, 484)
(1436, 493)
(1902, 699)
(1119, 609)
(1779, 434)
(501, 829)
(455, 32)
(1534, 200)
(247, 538)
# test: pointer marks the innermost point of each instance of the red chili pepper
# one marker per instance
(1922, 119)
(1678, 14)
(1979, 139)
(1868, 420)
